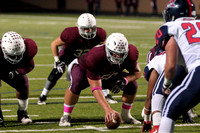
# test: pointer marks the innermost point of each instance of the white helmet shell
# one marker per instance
(116, 48)
(87, 21)
(13, 47)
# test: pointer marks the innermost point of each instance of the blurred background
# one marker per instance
(97, 7)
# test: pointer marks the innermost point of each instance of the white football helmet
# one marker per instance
(87, 25)
(13, 47)
(116, 48)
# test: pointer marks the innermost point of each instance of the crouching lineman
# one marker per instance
(75, 41)
(16, 60)
(102, 67)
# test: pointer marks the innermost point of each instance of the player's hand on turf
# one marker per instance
(146, 127)
(13, 74)
(60, 66)
(119, 85)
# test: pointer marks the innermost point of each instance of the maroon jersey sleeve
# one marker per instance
(101, 34)
(131, 60)
(27, 63)
(69, 34)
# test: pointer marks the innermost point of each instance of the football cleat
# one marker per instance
(129, 120)
(41, 100)
(23, 117)
(155, 129)
(65, 121)
(110, 99)
(192, 114)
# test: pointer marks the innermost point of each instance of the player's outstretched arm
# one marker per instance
(96, 88)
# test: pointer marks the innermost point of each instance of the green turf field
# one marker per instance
(87, 115)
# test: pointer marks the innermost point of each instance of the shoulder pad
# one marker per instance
(162, 37)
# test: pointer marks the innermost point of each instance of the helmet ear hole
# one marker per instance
(116, 48)
(86, 24)
(13, 47)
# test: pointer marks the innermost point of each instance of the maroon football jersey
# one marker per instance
(75, 45)
(97, 65)
(25, 65)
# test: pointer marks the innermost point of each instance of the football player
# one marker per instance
(16, 60)
(75, 41)
(155, 98)
(102, 67)
(181, 34)
(155, 66)
(153, 73)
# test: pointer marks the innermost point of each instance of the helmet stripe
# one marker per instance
(190, 8)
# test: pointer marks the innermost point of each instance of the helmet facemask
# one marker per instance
(13, 47)
(116, 48)
(87, 32)
(87, 26)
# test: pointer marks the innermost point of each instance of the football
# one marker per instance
(115, 122)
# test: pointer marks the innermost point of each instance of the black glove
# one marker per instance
(13, 74)
(60, 66)
(146, 127)
(1, 119)
(119, 85)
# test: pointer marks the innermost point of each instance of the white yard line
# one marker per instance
(50, 18)
(16, 115)
(101, 129)
(54, 98)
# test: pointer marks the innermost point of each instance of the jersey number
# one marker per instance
(191, 31)
(80, 52)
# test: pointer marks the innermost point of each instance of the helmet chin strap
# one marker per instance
(173, 18)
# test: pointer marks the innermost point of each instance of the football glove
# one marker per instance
(13, 74)
(146, 127)
(1, 119)
(60, 66)
(119, 85)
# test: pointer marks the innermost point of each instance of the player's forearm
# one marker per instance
(101, 99)
(54, 49)
(98, 94)
(134, 76)
(55, 44)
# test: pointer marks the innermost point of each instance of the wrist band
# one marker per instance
(167, 82)
(96, 88)
(56, 58)
(147, 118)
(147, 109)
(126, 80)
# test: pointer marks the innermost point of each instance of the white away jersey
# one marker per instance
(157, 63)
(186, 32)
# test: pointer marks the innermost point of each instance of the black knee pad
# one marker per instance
(54, 75)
